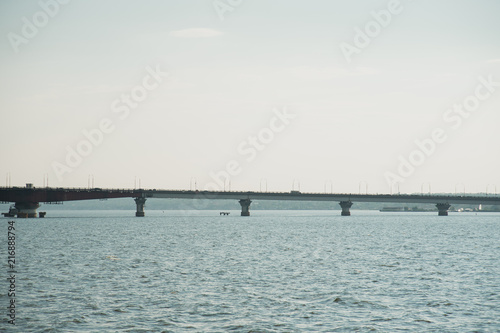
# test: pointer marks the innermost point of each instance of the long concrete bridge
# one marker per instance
(27, 199)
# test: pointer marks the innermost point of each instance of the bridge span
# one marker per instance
(345, 200)
(27, 199)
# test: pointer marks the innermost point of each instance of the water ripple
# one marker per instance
(293, 273)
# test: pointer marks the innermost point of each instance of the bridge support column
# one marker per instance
(245, 207)
(443, 208)
(140, 202)
(26, 209)
(345, 205)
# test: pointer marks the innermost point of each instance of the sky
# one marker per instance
(336, 96)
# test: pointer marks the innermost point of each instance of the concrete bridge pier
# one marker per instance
(345, 205)
(140, 203)
(443, 209)
(26, 209)
(245, 207)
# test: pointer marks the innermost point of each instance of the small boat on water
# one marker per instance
(394, 209)
(12, 212)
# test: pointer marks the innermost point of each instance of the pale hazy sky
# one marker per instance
(227, 80)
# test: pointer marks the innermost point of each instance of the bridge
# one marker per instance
(27, 199)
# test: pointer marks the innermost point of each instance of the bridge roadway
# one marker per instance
(443, 202)
(27, 199)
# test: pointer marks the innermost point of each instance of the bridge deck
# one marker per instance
(389, 198)
(52, 194)
(20, 194)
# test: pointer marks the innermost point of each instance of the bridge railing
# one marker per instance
(130, 190)
(93, 189)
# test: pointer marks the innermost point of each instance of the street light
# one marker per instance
(137, 181)
(91, 181)
(8, 182)
(191, 184)
(366, 186)
(422, 188)
(260, 184)
(331, 185)
(392, 186)
(488, 186)
(456, 187)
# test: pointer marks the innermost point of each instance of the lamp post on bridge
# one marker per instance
(422, 188)
(366, 186)
(488, 186)
(456, 187)
(135, 182)
(191, 184)
(397, 184)
(8, 182)
(228, 184)
(260, 184)
(331, 185)
(91, 181)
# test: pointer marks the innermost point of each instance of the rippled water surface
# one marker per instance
(276, 271)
